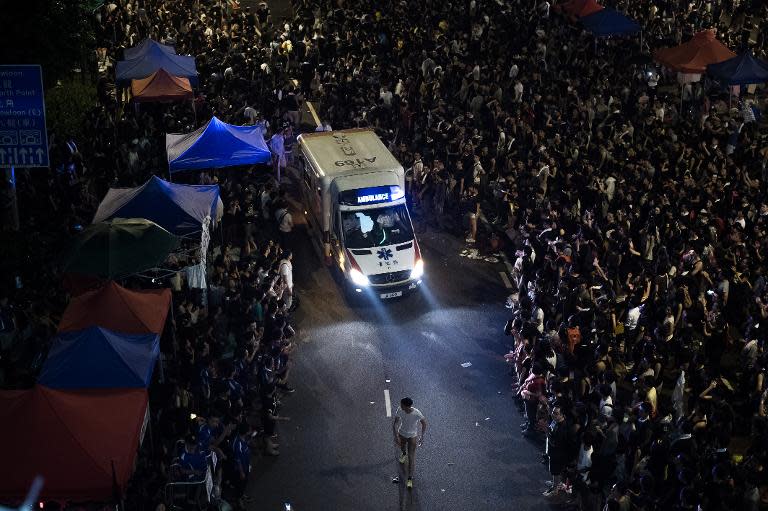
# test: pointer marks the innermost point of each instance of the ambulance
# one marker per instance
(353, 190)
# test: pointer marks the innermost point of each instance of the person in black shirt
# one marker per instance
(470, 209)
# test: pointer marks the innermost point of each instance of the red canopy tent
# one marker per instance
(579, 8)
(161, 86)
(118, 309)
(695, 55)
(73, 439)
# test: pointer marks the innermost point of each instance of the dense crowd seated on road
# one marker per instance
(635, 219)
(637, 226)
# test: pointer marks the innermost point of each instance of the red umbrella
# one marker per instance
(579, 8)
(695, 55)
(82, 442)
(118, 309)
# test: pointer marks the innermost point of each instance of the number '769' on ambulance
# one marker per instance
(354, 194)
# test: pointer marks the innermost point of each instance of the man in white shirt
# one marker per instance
(417, 173)
(386, 96)
(518, 91)
(406, 430)
(251, 114)
(286, 275)
(277, 146)
(633, 318)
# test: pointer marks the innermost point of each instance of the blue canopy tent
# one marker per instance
(742, 69)
(99, 358)
(180, 209)
(152, 59)
(609, 22)
(215, 145)
(145, 46)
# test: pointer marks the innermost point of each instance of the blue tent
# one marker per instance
(153, 58)
(145, 47)
(609, 22)
(742, 69)
(217, 144)
(99, 358)
(179, 209)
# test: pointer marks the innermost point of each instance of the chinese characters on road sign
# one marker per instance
(23, 137)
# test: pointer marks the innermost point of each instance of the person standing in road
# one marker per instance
(286, 274)
(284, 221)
(406, 430)
(277, 146)
(241, 461)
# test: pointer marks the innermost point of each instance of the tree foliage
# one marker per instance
(67, 105)
(53, 33)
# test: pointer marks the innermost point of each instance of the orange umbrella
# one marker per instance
(695, 55)
(161, 86)
(118, 309)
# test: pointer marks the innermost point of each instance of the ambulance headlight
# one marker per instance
(358, 278)
(418, 269)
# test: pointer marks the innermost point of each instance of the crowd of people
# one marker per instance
(634, 210)
(226, 354)
(636, 219)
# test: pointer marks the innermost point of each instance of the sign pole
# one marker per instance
(9, 175)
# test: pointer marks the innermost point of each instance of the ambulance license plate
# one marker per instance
(391, 295)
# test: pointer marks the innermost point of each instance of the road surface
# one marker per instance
(337, 452)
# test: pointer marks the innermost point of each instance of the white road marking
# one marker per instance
(387, 403)
(505, 279)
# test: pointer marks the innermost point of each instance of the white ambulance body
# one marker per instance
(354, 194)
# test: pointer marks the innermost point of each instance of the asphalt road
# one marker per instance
(337, 451)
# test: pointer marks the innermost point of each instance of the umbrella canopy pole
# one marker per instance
(173, 329)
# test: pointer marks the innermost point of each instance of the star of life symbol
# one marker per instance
(385, 253)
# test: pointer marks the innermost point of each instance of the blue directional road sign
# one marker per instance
(23, 137)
